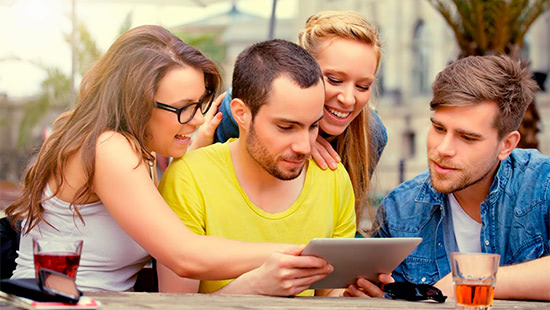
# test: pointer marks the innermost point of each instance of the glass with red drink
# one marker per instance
(61, 255)
(474, 278)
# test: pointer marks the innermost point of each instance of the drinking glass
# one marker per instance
(61, 255)
(474, 279)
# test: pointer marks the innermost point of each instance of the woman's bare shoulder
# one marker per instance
(115, 146)
(111, 137)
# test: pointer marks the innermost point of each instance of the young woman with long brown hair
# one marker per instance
(93, 178)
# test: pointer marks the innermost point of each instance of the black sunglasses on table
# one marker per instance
(187, 112)
(413, 292)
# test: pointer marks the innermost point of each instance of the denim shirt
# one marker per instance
(515, 218)
(228, 127)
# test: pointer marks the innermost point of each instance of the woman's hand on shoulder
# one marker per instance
(324, 155)
(205, 133)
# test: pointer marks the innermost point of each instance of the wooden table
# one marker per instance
(124, 301)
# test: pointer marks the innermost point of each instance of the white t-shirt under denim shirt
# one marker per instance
(467, 230)
(110, 259)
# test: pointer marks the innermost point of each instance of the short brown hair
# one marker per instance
(260, 64)
(499, 79)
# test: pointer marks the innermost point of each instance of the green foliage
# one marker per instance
(126, 24)
(491, 27)
(54, 90)
(87, 51)
(56, 87)
(209, 43)
(487, 27)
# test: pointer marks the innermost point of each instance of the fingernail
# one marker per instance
(333, 166)
(338, 159)
(219, 115)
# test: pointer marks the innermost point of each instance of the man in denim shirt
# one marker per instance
(479, 194)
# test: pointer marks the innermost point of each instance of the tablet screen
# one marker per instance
(354, 258)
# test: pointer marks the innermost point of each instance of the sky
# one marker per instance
(34, 30)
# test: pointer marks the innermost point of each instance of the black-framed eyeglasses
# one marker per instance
(187, 112)
(414, 292)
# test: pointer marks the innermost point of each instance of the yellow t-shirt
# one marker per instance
(203, 190)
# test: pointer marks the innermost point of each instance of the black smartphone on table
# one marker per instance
(51, 286)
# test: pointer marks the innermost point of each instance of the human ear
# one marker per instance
(241, 113)
(508, 144)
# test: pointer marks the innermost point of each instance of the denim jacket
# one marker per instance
(228, 127)
(515, 218)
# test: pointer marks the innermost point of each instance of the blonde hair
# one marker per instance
(328, 25)
(354, 145)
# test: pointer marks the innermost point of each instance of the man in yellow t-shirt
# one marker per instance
(262, 186)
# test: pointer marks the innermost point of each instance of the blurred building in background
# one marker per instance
(417, 44)
(237, 30)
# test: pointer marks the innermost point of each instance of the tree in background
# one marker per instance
(55, 89)
(209, 43)
(491, 27)
(55, 96)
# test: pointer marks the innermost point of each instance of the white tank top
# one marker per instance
(110, 259)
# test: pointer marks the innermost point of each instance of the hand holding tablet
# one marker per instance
(354, 258)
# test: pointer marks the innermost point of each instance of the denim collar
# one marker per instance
(502, 177)
(428, 195)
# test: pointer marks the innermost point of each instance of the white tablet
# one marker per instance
(354, 258)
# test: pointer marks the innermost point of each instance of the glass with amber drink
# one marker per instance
(474, 279)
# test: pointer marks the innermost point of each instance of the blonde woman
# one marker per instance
(93, 179)
(348, 51)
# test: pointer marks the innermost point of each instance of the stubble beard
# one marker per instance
(465, 179)
(257, 150)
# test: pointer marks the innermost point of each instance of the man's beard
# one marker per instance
(267, 161)
(465, 179)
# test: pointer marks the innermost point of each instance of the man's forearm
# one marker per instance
(529, 280)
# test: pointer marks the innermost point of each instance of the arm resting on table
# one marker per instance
(122, 182)
(527, 281)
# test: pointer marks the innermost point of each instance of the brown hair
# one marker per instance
(260, 64)
(499, 79)
(116, 94)
(354, 145)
